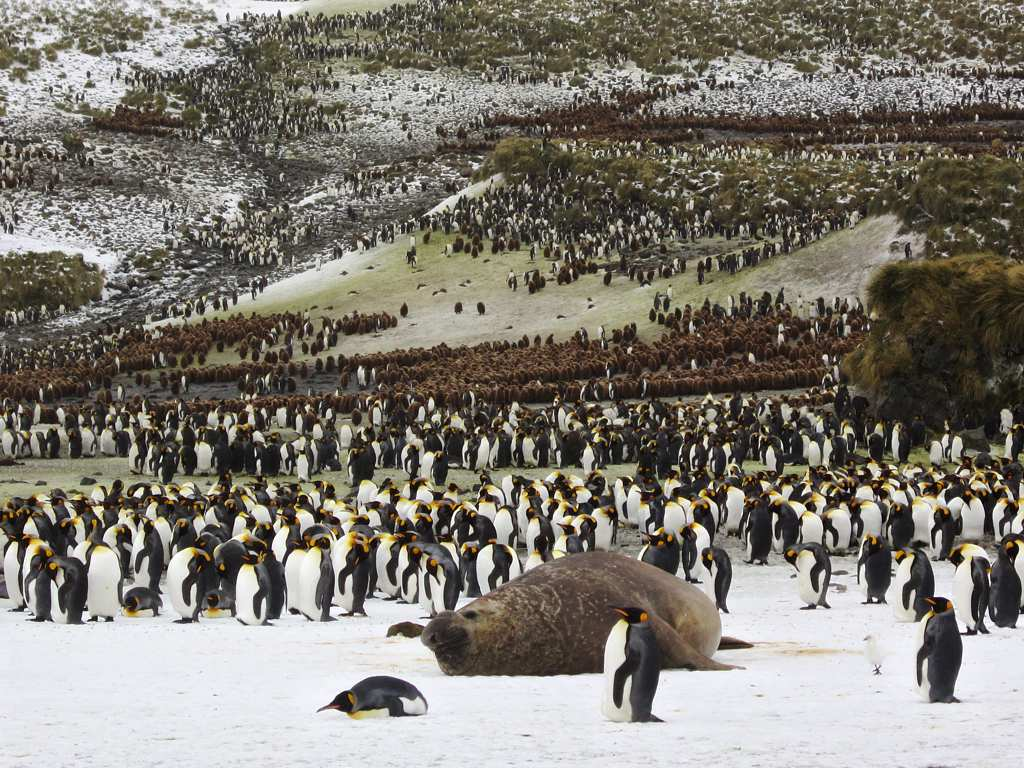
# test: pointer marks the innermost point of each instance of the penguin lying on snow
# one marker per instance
(379, 696)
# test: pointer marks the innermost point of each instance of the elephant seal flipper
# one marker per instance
(733, 644)
(676, 653)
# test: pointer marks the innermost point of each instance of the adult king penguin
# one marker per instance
(632, 666)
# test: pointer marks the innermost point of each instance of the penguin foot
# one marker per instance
(653, 719)
(17, 610)
(969, 633)
(808, 607)
(723, 609)
(350, 614)
(983, 629)
(183, 621)
(826, 606)
(94, 618)
(108, 619)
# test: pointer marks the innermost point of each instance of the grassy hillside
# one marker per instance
(51, 279)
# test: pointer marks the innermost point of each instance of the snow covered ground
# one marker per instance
(150, 692)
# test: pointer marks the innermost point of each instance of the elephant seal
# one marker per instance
(555, 620)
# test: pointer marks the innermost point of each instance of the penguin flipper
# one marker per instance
(626, 669)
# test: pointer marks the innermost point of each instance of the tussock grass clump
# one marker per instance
(47, 279)
(948, 336)
(966, 205)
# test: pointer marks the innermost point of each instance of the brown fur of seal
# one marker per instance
(555, 620)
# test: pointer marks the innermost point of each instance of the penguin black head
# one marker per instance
(939, 604)
(791, 555)
(631, 614)
(343, 702)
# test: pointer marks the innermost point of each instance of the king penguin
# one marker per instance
(632, 666)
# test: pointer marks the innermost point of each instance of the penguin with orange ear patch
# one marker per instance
(632, 666)
(940, 651)
(379, 696)
(874, 569)
(662, 551)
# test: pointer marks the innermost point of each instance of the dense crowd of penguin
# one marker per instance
(256, 550)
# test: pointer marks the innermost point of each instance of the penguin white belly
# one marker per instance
(184, 602)
(11, 575)
(804, 564)
(246, 587)
(103, 579)
(384, 582)
(811, 529)
(904, 611)
(675, 518)
(963, 590)
(309, 577)
(603, 534)
(436, 587)
(923, 686)
(505, 527)
(615, 657)
(427, 589)
(972, 516)
(533, 561)
(871, 516)
(415, 706)
(293, 578)
(923, 514)
(57, 613)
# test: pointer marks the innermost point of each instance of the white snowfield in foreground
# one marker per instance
(148, 692)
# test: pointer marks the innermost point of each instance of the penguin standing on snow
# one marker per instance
(105, 582)
(632, 666)
(442, 575)
(814, 571)
(69, 590)
(874, 569)
(190, 575)
(914, 582)
(940, 651)
(1005, 593)
(719, 568)
(354, 569)
(758, 534)
(380, 696)
(316, 580)
(252, 591)
(971, 586)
